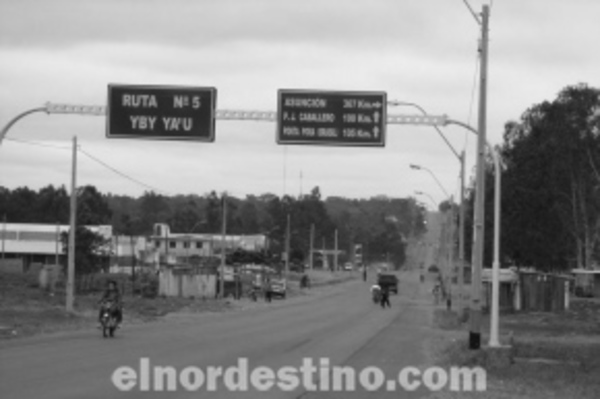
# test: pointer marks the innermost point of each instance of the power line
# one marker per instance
(99, 161)
(472, 11)
(37, 143)
(122, 174)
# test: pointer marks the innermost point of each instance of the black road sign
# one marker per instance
(161, 112)
(342, 118)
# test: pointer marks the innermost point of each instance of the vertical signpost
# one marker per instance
(337, 118)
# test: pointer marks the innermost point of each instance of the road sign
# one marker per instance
(340, 118)
(161, 112)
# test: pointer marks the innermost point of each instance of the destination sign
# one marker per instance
(161, 112)
(339, 118)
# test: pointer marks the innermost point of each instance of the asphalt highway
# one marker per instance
(338, 325)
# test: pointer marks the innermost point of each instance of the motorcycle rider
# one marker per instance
(376, 292)
(112, 294)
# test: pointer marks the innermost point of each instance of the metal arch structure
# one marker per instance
(254, 115)
(270, 116)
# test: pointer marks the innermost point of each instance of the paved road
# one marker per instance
(341, 324)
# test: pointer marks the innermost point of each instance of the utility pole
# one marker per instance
(73, 215)
(287, 249)
(57, 244)
(3, 234)
(223, 232)
(312, 239)
(335, 254)
(451, 264)
(461, 238)
(475, 319)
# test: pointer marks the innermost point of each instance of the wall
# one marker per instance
(186, 283)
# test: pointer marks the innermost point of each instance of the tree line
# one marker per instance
(550, 192)
(381, 224)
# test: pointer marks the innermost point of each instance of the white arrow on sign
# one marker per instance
(377, 104)
(376, 117)
(376, 131)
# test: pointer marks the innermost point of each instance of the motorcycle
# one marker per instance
(108, 320)
(376, 296)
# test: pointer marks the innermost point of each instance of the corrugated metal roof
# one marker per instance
(39, 239)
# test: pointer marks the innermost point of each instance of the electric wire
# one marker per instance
(92, 157)
(118, 172)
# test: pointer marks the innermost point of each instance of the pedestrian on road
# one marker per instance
(364, 272)
(385, 297)
(268, 290)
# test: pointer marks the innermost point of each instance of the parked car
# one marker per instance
(348, 266)
(278, 287)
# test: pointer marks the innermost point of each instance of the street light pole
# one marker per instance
(418, 167)
(461, 237)
(461, 158)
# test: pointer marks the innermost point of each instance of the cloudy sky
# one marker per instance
(420, 51)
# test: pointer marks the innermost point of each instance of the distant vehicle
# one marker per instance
(348, 266)
(433, 269)
(389, 281)
(278, 288)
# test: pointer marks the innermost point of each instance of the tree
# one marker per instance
(551, 215)
(91, 250)
(92, 209)
(153, 208)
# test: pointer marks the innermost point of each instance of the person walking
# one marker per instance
(268, 290)
(385, 297)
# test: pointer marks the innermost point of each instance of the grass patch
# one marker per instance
(27, 310)
(583, 318)
(446, 320)
(553, 355)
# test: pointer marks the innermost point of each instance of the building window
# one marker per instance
(172, 244)
(198, 245)
(157, 244)
(186, 244)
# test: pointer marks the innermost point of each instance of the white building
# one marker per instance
(38, 243)
(183, 246)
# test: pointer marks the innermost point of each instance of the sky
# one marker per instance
(418, 51)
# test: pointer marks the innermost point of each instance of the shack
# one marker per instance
(544, 292)
(509, 285)
(587, 282)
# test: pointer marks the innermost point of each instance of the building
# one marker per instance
(180, 247)
(587, 282)
(30, 243)
(128, 252)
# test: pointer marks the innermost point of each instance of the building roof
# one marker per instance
(585, 271)
(39, 239)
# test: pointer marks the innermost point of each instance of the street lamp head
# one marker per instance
(417, 167)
